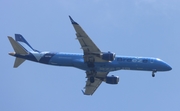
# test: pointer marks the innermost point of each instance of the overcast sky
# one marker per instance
(147, 28)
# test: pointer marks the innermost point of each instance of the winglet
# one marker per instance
(72, 21)
(84, 93)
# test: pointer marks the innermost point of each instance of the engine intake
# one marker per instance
(109, 56)
(112, 79)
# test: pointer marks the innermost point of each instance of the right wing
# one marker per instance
(90, 88)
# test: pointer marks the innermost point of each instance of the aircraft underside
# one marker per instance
(93, 61)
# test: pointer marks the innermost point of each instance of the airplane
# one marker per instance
(93, 61)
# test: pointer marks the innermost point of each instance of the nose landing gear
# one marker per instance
(153, 73)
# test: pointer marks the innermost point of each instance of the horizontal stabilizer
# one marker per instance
(17, 47)
(18, 62)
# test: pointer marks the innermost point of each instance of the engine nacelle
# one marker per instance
(112, 79)
(108, 56)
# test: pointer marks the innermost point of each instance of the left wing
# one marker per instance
(90, 88)
(89, 47)
(87, 44)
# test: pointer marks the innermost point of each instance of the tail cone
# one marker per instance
(12, 53)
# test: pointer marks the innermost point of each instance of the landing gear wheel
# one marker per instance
(91, 79)
(153, 75)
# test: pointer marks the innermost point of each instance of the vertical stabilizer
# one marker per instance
(18, 62)
(21, 40)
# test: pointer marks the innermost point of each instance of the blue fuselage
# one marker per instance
(77, 60)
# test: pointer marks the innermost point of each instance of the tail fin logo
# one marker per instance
(20, 39)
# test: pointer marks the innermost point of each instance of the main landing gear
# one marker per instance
(91, 79)
(90, 62)
(92, 76)
(92, 73)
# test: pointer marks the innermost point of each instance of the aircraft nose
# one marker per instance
(163, 65)
(166, 67)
